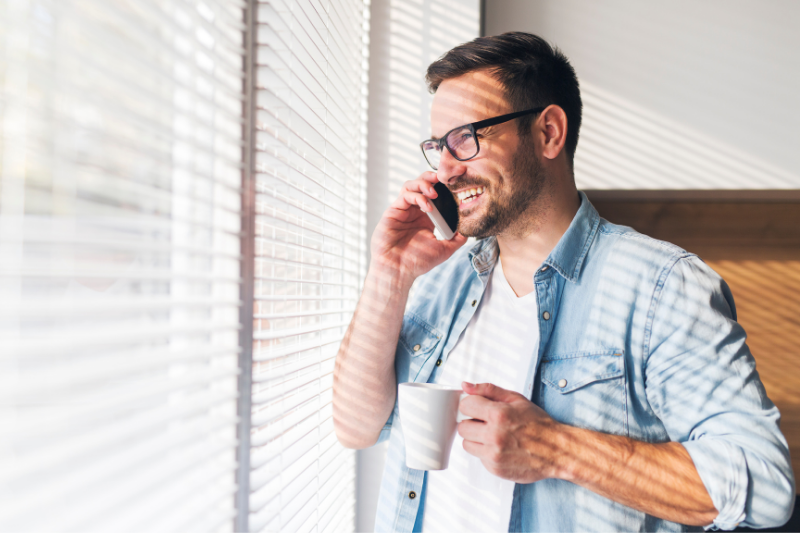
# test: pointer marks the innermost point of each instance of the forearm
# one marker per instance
(364, 383)
(658, 479)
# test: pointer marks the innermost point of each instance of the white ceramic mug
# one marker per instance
(428, 416)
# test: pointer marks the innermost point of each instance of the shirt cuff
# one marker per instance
(723, 468)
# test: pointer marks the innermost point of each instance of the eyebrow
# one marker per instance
(435, 138)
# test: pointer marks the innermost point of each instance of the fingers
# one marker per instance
(476, 407)
(483, 398)
(420, 185)
(472, 448)
(472, 430)
(455, 243)
(429, 176)
(423, 185)
(490, 391)
(409, 199)
(416, 193)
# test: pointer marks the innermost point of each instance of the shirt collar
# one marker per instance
(568, 255)
(483, 255)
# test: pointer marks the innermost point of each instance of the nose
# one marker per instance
(450, 168)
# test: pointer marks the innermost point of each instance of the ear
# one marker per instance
(552, 130)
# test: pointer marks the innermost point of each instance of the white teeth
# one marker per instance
(468, 194)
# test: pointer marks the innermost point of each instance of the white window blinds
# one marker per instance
(310, 256)
(120, 172)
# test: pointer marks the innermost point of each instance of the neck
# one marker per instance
(524, 248)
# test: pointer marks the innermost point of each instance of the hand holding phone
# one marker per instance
(403, 242)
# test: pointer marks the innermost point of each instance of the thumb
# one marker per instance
(490, 392)
(455, 243)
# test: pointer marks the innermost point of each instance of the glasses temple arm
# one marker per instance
(504, 118)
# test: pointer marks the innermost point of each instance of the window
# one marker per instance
(126, 152)
(310, 256)
(120, 172)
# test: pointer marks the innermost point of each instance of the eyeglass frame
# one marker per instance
(473, 126)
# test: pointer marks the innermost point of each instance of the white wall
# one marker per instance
(681, 94)
(405, 37)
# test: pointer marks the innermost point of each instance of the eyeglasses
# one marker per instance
(462, 142)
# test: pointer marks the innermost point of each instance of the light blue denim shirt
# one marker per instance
(645, 335)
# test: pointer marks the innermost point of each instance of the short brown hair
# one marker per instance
(532, 72)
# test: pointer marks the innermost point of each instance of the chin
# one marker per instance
(471, 227)
(481, 222)
(476, 230)
(482, 227)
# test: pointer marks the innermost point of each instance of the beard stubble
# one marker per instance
(512, 205)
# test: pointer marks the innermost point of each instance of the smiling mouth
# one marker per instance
(468, 196)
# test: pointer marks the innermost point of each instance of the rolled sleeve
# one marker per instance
(703, 385)
(728, 492)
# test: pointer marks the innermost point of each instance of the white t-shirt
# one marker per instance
(496, 347)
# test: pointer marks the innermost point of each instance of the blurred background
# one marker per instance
(188, 187)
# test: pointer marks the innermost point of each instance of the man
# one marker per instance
(614, 388)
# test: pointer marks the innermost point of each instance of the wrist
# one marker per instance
(387, 277)
(565, 438)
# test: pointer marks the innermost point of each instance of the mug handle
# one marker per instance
(459, 416)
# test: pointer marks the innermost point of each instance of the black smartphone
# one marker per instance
(445, 211)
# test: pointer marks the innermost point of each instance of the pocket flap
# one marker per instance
(417, 336)
(570, 372)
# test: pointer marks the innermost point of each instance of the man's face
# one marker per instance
(506, 175)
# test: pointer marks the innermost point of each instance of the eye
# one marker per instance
(460, 138)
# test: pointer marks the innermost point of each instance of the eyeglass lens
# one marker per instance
(461, 142)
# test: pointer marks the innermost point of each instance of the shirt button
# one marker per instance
(439, 362)
(545, 268)
(416, 347)
(562, 383)
(412, 494)
(546, 315)
(474, 302)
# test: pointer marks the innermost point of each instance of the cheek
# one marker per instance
(487, 172)
(498, 150)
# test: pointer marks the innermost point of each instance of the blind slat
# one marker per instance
(283, 351)
(271, 335)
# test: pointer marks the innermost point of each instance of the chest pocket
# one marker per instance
(418, 341)
(585, 389)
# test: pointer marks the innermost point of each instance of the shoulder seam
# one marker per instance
(654, 301)
(667, 246)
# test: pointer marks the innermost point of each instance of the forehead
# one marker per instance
(468, 98)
